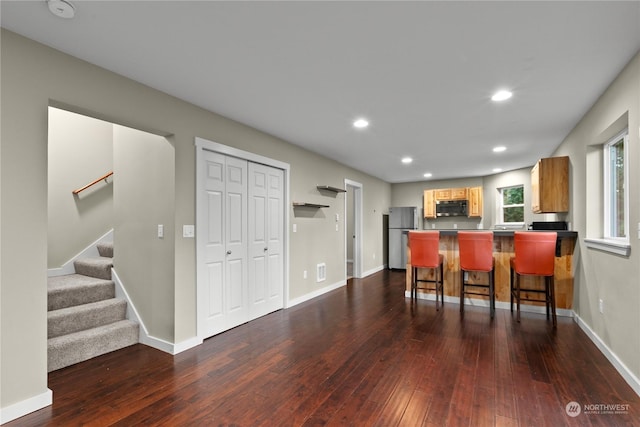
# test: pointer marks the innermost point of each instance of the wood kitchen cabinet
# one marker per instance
(429, 204)
(474, 205)
(550, 185)
(458, 194)
(442, 194)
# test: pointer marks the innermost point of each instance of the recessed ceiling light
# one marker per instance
(428, 175)
(497, 169)
(499, 149)
(407, 160)
(62, 8)
(360, 123)
(501, 95)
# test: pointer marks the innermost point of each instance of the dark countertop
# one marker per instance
(509, 233)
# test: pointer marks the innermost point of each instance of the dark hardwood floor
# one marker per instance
(361, 355)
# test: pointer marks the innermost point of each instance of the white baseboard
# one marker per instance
(329, 288)
(314, 294)
(90, 251)
(144, 337)
(186, 345)
(373, 271)
(27, 406)
(622, 369)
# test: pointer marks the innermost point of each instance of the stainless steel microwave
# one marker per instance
(451, 208)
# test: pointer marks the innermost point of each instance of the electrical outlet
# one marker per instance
(601, 305)
(304, 274)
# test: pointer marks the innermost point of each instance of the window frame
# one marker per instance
(502, 206)
(608, 203)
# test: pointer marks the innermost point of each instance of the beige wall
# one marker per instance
(80, 149)
(35, 77)
(143, 199)
(602, 275)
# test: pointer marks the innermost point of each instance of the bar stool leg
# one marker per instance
(437, 286)
(511, 287)
(441, 284)
(461, 290)
(552, 292)
(517, 280)
(414, 271)
(547, 295)
(492, 294)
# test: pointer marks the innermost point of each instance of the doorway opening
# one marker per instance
(353, 229)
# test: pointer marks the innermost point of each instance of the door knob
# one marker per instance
(228, 252)
(265, 249)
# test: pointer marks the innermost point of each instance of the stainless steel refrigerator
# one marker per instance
(401, 220)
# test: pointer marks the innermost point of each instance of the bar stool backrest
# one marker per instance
(535, 252)
(476, 250)
(425, 247)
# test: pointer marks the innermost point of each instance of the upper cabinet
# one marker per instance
(429, 204)
(450, 194)
(475, 202)
(473, 195)
(442, 194)
(550, 185)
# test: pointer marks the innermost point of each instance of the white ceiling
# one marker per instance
(421, 72)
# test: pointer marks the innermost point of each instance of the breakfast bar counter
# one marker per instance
(503, 250)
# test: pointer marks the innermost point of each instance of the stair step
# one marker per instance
(73, 348)
(99, 267)
(76, 289)
(86, 316)
(105, 249)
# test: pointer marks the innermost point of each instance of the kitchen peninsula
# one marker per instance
(503, 250)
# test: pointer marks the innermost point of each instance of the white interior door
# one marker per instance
(223, 266)
(236, 242)
(266, 234)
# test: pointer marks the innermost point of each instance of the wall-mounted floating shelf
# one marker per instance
(308, 205)
(330, 188)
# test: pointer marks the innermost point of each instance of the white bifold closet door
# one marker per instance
(266, 233)
(243, 261)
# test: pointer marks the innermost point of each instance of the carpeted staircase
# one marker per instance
(84, 318)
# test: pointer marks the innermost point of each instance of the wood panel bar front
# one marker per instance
(503, 250)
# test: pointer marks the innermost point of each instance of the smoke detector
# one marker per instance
(61, 8)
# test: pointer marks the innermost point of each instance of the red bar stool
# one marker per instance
(535, 253)
(476, 254)
(425, 253)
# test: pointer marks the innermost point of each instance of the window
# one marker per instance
(616, 205)
(511, 205)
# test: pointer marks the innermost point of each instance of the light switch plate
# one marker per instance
(188, 231)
